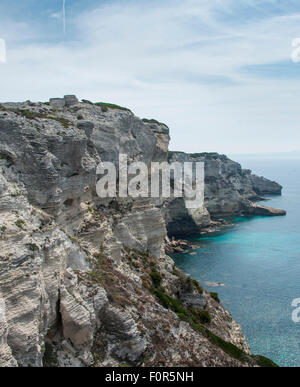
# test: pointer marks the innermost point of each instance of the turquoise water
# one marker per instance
(258, 260)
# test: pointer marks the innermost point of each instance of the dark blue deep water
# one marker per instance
(258, 261)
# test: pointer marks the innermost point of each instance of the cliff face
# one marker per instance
(85, 281)
(229, 191)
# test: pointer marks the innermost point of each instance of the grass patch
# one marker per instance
(95, 276)
(169, 302)
(193, 316)
(203, 316)
(227, 347)
(63, 121)
(32, 115)
(28, 114)
(156, 277)
(106, 106)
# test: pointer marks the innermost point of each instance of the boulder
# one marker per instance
(77, 325)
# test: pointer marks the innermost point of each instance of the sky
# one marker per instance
(219, 73)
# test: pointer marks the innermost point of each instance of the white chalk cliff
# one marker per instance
(85, 281)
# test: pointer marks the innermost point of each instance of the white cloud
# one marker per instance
(177, 61)
(55, 15)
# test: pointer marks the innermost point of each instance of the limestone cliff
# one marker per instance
(85, 281)
(229, 191)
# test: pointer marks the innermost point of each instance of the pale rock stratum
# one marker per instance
(85, 281)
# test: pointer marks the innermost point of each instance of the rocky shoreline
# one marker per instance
(229, 191)
(179, 246)
(86, 281)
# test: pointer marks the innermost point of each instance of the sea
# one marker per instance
(257, 262)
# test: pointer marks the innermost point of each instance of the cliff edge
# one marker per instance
(85, 281)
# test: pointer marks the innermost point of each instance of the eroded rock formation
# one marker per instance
(229, 191)
(85, 281)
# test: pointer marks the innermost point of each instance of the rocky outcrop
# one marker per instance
(83, 280)
(229, 191)
(263, 186)
(258, 209)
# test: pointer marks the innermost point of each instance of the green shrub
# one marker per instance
(87, 101)
(32, 115)
(199, 315)
(204, 316)
(227, 347)
(263, 361)
(50, 356)
(105, 106)
(193, 316)
(4, 157)
(215, 296)
(170, 302)
(29, 114)
(156, 277)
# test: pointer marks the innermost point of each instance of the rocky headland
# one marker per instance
(85, 281)
(229, 191)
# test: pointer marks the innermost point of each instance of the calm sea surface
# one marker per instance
(258, 261)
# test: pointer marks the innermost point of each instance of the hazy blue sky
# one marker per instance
(218, 72)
